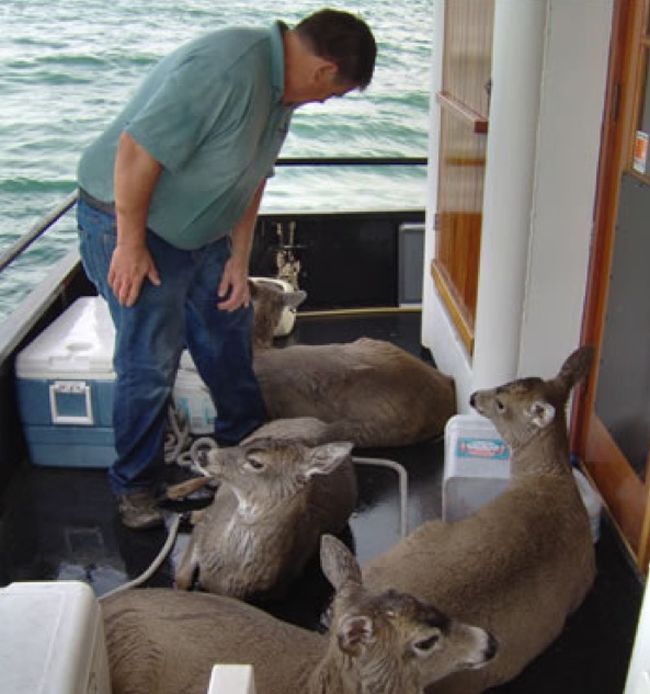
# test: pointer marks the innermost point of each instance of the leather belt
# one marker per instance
(108, 207)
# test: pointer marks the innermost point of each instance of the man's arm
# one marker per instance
(135, 177)
(235, 273)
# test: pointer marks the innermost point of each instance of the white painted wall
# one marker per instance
(517, 64)
(568, 145)
(543, 324)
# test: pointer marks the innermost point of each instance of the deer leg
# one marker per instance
(185, 570)
(183, 489)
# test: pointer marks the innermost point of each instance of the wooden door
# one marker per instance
(464, 102)
(612, 423)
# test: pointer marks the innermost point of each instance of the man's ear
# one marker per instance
(327, 72)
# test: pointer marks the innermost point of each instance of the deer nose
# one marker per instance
(491, 648)
(472, 399)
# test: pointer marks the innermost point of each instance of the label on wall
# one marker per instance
(640, 151)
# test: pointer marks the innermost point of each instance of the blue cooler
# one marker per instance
(64, 381)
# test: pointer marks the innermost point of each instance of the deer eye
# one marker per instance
(427, 644)
(254, 462)
(500, 406)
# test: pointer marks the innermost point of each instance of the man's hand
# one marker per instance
(129, 268)
(233, 289)
(233, 286)
(135, 177)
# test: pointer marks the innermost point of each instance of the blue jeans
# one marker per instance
(150, 336)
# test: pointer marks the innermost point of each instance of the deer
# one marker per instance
(370, 392)
(162, 641)
(523, 562)
(275, 499)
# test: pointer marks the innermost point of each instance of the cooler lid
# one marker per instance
(78, 344)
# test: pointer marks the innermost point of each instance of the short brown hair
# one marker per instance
(345, 40)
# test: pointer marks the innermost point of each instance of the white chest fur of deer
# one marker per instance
(162, 641)
(275, 500)
(370, 391)
(523, 562)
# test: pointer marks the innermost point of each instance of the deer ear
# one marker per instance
(575, 369)
(327, 457)
(295, 298)
(212, 461)
(541, 413)
(353, 633)
(338, 563)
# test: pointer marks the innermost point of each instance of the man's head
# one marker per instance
(329, 53)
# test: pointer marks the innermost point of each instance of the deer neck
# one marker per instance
(251, 511)
(545, 453)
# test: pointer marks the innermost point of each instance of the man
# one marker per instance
(168, 199)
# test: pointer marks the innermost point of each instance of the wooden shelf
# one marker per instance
(456, 313)
(478, 123)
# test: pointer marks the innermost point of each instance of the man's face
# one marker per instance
(324, 83)
(330, 86)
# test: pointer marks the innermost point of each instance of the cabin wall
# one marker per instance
(568, 146)
(534, 330)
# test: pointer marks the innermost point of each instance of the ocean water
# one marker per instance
(67, 66)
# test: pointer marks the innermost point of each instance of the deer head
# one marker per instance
(392, 642)
(522, 408)
(269, 301)
(267, 471)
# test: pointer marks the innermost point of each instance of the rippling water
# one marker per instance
(66, 68)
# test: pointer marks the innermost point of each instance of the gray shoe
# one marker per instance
(138, 510)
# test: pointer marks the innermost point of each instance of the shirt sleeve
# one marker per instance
(186, 108)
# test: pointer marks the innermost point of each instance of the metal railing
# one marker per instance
(46, 222)
(37, 230)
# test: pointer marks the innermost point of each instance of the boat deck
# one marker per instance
(58, 523)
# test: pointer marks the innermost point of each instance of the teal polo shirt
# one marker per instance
(211, 113)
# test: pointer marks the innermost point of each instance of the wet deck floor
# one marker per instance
(58, 523)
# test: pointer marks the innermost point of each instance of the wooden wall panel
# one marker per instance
(464, 103)
(468, 52)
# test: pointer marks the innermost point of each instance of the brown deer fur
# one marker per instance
(162, 641)
(523, 562)
(275, 500)
(370, 392)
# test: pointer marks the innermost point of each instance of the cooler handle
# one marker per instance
(71, 388)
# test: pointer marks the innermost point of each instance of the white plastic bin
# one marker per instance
(477, 469)
(477, 465)
(232, 679)
(192, 398)
(52, 640)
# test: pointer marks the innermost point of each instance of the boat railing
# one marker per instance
(37, 230)
(8, 256)
(53, 287)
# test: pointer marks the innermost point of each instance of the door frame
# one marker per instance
(603, 460)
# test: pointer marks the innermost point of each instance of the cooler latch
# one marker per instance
(71, 403)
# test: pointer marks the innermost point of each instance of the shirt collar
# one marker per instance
(277, 60)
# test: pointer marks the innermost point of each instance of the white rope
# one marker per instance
(403, 485)
(180, 448)
(196, 453)
(155, 564)
(178, 435)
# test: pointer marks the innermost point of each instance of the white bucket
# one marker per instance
(192, 398)
(592, 501)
